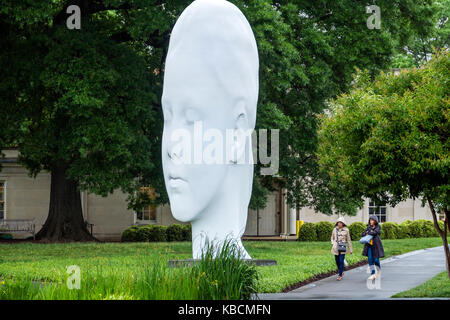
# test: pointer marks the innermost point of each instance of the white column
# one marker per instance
(292, 221)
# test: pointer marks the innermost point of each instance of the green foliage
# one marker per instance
(403, 231)
(427, 228)
(324, 230)
(434, 35)
(390, 230)
(356, 230)
(415, 229)
(157, 233)
(441, 226)
(223, 273)
(224, 278)
(321, 231)
(121, 261)
(175, 232)
(388, 139)
(93, 95)
(187, 232)
(129, 234)
(307, 232)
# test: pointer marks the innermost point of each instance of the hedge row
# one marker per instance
(156, 233)
(321, 231)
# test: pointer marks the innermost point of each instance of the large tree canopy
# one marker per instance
(85, 104)
(432, 37)
(389, 139)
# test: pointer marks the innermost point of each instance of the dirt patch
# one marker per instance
(322, 276)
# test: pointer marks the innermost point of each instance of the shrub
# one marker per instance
(324, 230)
(143, 233)
(129, 234)
(156, 233)
(407, 228)
(175, 232)
(356, 230)
(307, 232)
(389, 230)
(441, 225)
(187, 232)
(428, 229)
(416, 229)
(403, 231)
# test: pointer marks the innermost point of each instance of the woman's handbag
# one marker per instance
(341, 246)
(366, 239)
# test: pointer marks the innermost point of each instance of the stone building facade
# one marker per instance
(24, 197)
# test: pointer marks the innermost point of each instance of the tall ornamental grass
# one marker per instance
(225, 276)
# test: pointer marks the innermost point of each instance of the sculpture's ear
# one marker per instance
(240, 116)
(240, 129)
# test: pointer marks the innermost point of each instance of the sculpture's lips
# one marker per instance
(175, 181)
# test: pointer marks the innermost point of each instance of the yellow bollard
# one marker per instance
(299, 224)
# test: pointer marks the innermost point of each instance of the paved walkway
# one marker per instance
(398, 273)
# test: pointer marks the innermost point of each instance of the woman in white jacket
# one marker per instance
(341, 244)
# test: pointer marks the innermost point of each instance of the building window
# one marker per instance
(2, 200)
(379, 211)
(149, 212)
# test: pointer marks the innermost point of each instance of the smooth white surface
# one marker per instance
(211, 75)
(292, 221)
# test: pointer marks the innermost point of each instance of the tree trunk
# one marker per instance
(447, 252)
(442, 233)
(65, 220)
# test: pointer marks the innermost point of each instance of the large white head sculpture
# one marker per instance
(210, 85)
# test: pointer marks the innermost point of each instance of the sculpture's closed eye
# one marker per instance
(167, 114)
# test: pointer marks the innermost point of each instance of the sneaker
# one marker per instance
(339, 278)
(372, 277)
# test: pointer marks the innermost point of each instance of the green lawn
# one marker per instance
(437, 287)
(297, 261)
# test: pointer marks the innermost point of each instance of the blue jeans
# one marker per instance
(372, 260)
(340, 263)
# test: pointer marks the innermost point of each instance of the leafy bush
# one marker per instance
(407, 228)
(403, 231)
(389, 230)
(324, 230)
(144, 233)
(157, 233)
(356, 230)
(415, 229)
(129, 234)
(307, 232)
(428, 229)
(441, 225)
(187, 232)
(175, 232)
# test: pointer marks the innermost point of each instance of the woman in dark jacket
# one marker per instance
(373, 251)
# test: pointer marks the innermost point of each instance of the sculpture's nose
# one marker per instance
(174, 154)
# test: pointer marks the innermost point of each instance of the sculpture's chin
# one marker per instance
(183, 215)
